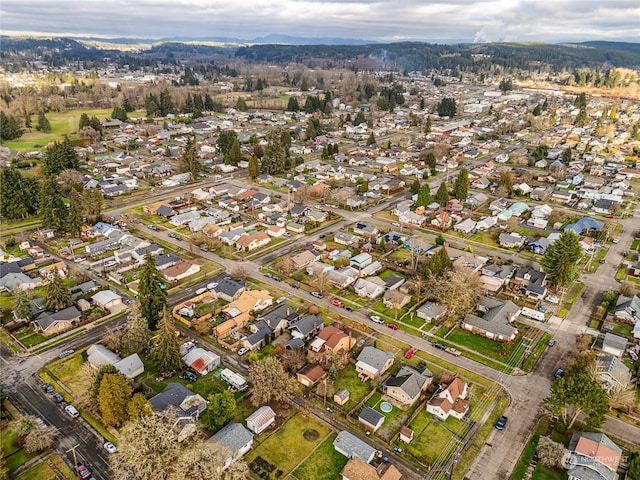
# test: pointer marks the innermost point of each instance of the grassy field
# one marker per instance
(50, 468)
(430, 442)
(290, 446)
(62, 123)
(323, 464)
(348, 379)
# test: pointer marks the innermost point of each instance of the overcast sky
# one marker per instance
(381, 20)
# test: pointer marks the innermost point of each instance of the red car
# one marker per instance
(392, 326)
(336, 302)
(410, 353)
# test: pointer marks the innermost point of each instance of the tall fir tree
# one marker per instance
(559, 262)
(461, 185)
(153, 298)
(424, 196)
(137, 337)
(53, 210)
(166, 348)
(21, 305)
(114, 396)
(190, 162)
(442, 195)
(58, 296)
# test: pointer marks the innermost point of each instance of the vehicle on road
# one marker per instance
(154, 228)
(551, 342)
(268, 275)
(392, 326)
(83, 471)
(212, 285)
(202, 290)
(295, 285)
(316, 294)
(110, 447)
(552, 299)
(410, 353)
(453, 351)
(47, 388)
(281, 299)
(190, 376)
(377, 319)
(66, 353)
(242, 351)
(336, 302)
(204, 248)
(322, 235)
(395, 224)
(559, 373)
(502, 421)
(277, 279)
(440, 346)
(72, 411)
(58, 398)
(616, 240)
(348, 308)
(601, 261)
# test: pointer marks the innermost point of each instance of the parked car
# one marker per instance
(502, 421)
(58, 398)
(552, 299)
(242, 351)
(83, 471)
(281, 299)
(392, 326)
(295, 285)
(322, 235)
(212, 285)
(72, 411)
(154, 228)
(336, 302)
(66, 353)
(601, 261)
(277, 279)
(440, 346)
(377, 319)
(316, 294)
(559, 373)
(202, 290)
(616, 240)
(348, 308)
(268, 275)
(47, 388)
(110, 447)
(190, 376)
(395, 224)
(410, 353)
(551, 342)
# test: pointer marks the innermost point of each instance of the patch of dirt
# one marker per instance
(311, 435)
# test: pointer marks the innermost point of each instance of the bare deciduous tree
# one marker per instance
(550, 453)
(40, 437)
(270, 381)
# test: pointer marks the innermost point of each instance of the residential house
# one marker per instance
(593, 456)
(494, 277)
(511, 240)
(344, 277)
(356, 469)
(238, 311)
(341, 396)
(450, 400)
(304, 258)
(253, 241)
(396, 299)
(182, 269)
(540, 245)
(530, 281)
(369, 287)
(361, 260)
(614, 344)
(236, 438)
(201, 361)
(99, 355)
(180, 399)
(370, 419)
(627, 309)
(486, 223)
(107, 299)
(351, 446)
(406, 434)
(372, 363)
(612, 373)
(344, 238)
(332, 339)
(431, 311)
(310, 375)
(258, 339)
(280, 318)
(228, 289)
(307, 327)
(295, 227)
(56, 322)
(584, 225)
(496, 322)
(407, 385)
(466, 226)
(260, 420)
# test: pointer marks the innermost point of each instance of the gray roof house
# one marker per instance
(628, 309)
(228, 289)
(370, 419)
(307, 327)
(593, 456)
(179, 398)
(407, 386)
(431, 311)
(372, 363)
(352, 447)
(497, 320)
(53, 322)
(614, 344)
(236, 438)
(612, 372)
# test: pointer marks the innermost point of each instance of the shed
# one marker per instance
(341, 396)
(370, 419)
(260, 420)
(406, 434)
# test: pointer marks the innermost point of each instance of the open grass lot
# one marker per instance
(288, 447)
(430, 442)
(391, 313)
(497, 350)
(323, 464)
(15, 455)
(348, 379)
(62, 123)
(30, 338)
(52, 467)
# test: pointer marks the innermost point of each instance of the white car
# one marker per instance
(395, 224)
(202, 290)
(110, 447)
(281, 299)
(377, 319)
(242, 351)
(212, 285)
(552, 299)
(72, 411)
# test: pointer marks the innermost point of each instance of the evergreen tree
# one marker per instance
(104, 370)
(559, 262)
(113, 399)
(27, 121)
(372, 139)
(21, 305)
(440, 239)
(414, 188)
(58, 296)
(137, 336)
(74, 213)
(152, 105)
(566, 155)
(19, 195)
(225, 141)
(166, 349)
(84, 121)
(198, 102)
(138, 406)
(119, 113)
(285, 140)
(359, 118)
(254, 167)
(53, 210)
(274, 159)
(165, 103)
(442, 195)
(126, 104)
(241, 105)
(60, 156)
(439, 264)
(424, 196)
(447, 107)
(506, 181)
(221, 408)
(209, 104)
(293, 105)
(9, 127)
(153, 298)
(427, 126)
(461, 185)
(234, 156)
(190, 162)
(43, 124)
(92, 204)
(188, 103)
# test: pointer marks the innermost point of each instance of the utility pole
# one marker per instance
(75, 458)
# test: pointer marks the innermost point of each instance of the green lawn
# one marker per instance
(545, 473)
(498, 350)
(288, 447)
(323, 464)
(348, 378)
(431, 442)
(533, 358)
(45, 470)
(16, 456)
(30, 338)
(529, 450)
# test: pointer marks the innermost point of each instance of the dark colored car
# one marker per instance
(190, 376)
(440, 346)
(47, 388)
(502, 421)
(348, 308)
(58, 398)
(295, 285)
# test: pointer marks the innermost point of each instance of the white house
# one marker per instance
(260, 420)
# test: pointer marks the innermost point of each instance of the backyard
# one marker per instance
(325, 463)
(348, 378)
